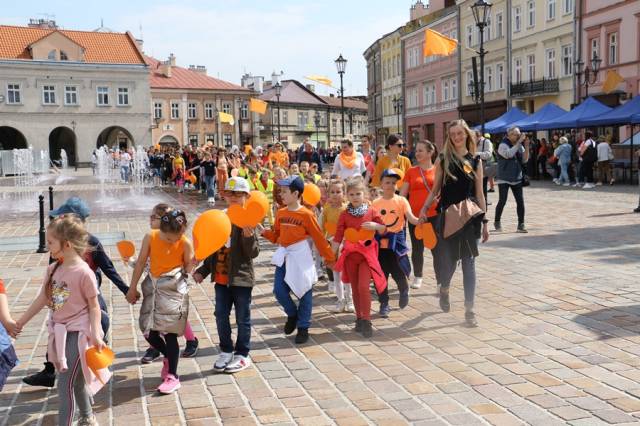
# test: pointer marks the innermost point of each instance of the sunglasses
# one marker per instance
(398, 145)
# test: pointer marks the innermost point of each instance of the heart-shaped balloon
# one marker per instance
(126, 249)
(99, 360)
(354, 235)
(426, 233)
(331, 228)
(252, 213)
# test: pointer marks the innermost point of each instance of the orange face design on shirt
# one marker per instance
(390, 216)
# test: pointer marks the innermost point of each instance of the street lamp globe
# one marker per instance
(595, 64)
(341, 64)
(480, 11)
(278, 88)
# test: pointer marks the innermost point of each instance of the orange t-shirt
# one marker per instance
(164, 256)
(291, 227)
(393, 212)
(2, 290)
(418, 192)
(280, 158)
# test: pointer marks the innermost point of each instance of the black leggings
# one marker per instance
(167, 345)
(503, 192)
(587, 171)
(390, 266)
(417, 252)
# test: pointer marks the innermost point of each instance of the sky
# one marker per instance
(234, 37)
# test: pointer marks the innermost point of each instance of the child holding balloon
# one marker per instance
(71, 293)
(231, 269)
(165, 303)
(295, 268)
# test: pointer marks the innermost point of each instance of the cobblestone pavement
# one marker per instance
(558, 341)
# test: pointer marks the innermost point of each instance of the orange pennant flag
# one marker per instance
(438, 44)
(612, 81)
(257, 105)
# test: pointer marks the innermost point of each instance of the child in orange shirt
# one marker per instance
(295, 269)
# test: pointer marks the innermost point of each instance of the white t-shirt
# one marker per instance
(344, 173)
(604, 151)
(125, 159)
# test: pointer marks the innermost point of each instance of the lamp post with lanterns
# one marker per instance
(587, 76)
(398, 103)
(341, 65)
(316, 121)
(481, 10)
(278, 89)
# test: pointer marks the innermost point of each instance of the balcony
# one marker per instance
(535, 87)
(431, 108)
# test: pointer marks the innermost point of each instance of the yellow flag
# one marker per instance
(320, 79)
(438, 44)
(257, 105)
(612, 81)
(226, 118)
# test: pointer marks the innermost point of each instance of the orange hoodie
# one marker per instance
(291, 227)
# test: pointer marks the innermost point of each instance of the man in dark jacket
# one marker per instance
(310, 156)
(511, 156)
(98, 261)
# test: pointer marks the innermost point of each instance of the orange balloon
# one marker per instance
(311, 194)
(99, 360)
(260, 201)
(211, 231)
(193, 179)
(252, 213)
(426, 233)
(331, 228)
(355, 235)
(126, 249)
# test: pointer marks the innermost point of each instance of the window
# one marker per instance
(454, 88)
(123, 96)
(157, 110)
(13, 93)
(413, 97)
(285, 118)
(384, 70)
(531, 13)
(193, 140)
(499, 25)
(613, 48)
(228, 139)
(551, 63)
(454, 34)
(567, 7)
(551, 10)
(208, 111)
(334, 124)
(103, 95)
(518, 70)
(49, 95)
(517, 19)
(63, 56)
(192, 111)
(595, 47)
(488, 28)
(445, 90)
(175, 110)
(499, 76)
(275, 116)
(244, 110)
(469, 83)
(469, 35)
(52, 55)
(531, 67)
(70, 95)
(226, 108)
(488, 78)
(567, 60)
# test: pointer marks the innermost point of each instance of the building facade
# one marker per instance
(430, 83)
(542, 53)
(355, 118)
(496, 61)
(374, 90)
(392, 105)
(71, 90)
(185, 103)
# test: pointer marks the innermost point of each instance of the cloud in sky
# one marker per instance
(234, 37)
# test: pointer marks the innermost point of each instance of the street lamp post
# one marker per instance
(398, 103)
(316, 120)
(481, 10)
(278, 88)
(590, 74)
(341, 65)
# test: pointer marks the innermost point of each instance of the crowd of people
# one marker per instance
(355, 236)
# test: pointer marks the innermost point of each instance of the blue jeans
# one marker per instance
(282, 291)
(468, 276)
(240, 298)
(124, 173)
(564, 173)
(209, 181)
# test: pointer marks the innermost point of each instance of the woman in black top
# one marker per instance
(459, 177)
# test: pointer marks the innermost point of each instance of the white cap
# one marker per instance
(237, 184)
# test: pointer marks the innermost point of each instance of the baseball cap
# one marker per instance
(390, 173)
(237, 184)
(75, 205)
(295, 183)
(487, 135)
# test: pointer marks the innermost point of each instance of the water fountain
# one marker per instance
(140, 168)
(23, 166)
(64, 160)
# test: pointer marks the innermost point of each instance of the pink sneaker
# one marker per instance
(165, 369)
(170, 384)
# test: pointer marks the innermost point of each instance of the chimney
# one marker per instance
(311, 88)
(201, 69)
(140, 44)
(418, 10)
(172, 60)
(331, 95)
(43, 23)
(165, 68)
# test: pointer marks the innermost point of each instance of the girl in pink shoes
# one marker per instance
(165, 303)
(71, 293)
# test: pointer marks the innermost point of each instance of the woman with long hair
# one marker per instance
(458, 180)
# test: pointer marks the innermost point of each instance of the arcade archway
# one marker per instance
(11, 138)
(115, 137)
(62, 138)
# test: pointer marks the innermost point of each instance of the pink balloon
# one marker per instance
(234, 172)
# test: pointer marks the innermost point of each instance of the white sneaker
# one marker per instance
(417, 282)
(223, 360)
(349, 307)
(238, 363)
(599, 184)
(211, 200)
(556, 181)
(577, 184)
(331, 287)
(339, 307)
(566, 184)
(588, 186)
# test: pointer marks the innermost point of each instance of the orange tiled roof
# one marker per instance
(108, 48)
(183, 78)
(334, 101)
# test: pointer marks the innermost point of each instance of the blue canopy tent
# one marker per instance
(548, 112)
(502, 123)
(627, 113)
(588, 109)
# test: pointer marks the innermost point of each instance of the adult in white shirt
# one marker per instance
(589, 157)
(125, 166)
(349, 163)
(605, 155)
